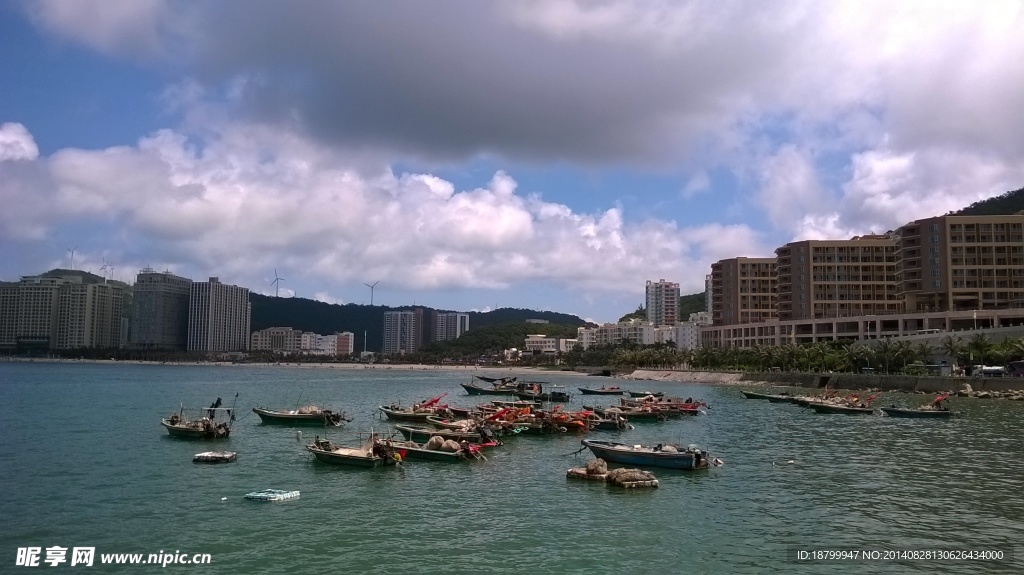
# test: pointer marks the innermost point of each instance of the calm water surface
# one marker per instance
(85, 462)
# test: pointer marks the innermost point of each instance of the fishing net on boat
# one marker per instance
(622, 475)
(597, 467)
(669, 449)
(450, 445)
(308, 409)
(435, 442)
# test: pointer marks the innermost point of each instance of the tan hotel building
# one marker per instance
(943, 273)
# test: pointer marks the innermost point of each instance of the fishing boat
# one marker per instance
(309, 415)
(608, 390)
(417, 413)
(932, 410)
(636, 414)
(213, 422)
(372, 453)
(559, 393)
(755, 395)
(646, 393)
(473, 389)
(667, 456)
(423, 434)
(412, 450)
(843, 409)
(919, 412)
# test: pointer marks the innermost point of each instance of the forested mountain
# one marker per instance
(368, 321)
(1001, 205)
(692, 303)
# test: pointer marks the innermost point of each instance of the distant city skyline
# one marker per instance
(553, 156)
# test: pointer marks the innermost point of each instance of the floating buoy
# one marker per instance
(298, 435)
(223, 498)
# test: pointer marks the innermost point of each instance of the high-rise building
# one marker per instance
(820, 279)
(450, 325)
(955, 263)
(401, 332)
(160, 311)
(662, 302)
(61, 309)
(219, 317)
(743, 290)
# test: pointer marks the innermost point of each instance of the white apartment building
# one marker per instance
(450, 325)
(61, 309)
(634, 331)
(662, 302)
(401, 332)
(219, 317)
(542, 344)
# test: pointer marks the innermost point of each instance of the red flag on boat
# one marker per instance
(940, 398)
(431, 402)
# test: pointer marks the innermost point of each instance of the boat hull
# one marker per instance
(626, 455)
(646, 393)
(190, 432)
(477, 390)
(557, 396)
(416, 451)
(423, 434)
(840, 409)
(351, 459)
(587, 391)
(271, 417)
(420, 417)
(917, 413)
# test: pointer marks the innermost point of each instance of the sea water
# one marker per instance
(84, 462)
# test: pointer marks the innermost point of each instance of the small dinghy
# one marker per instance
(215, 457)
(272, 495)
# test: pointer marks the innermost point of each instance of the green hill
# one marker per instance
(325, 318)
(1001, 205)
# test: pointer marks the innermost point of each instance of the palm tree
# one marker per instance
(953, 347)
(885, 352)
(980, 347)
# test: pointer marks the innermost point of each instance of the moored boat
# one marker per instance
(611, 390)
(754, 394)
(372, 453)
(417, 413)
(646, 393)
(423, 434)
(919, 412)
(213, 422)
(215, 457)
(843, 409)
(557, 394)
(412, 450)
(309, 415)
(667, 456)
(473, 389)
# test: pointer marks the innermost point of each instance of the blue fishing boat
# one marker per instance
(667, 456)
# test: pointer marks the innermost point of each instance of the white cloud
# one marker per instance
(16, 143)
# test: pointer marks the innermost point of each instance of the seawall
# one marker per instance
(909, 383)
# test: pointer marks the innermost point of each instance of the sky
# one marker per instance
(463, 155)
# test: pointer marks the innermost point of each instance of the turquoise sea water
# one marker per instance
(85, 462)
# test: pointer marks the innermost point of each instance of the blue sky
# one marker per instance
(552, 155)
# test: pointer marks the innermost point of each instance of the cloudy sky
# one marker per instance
(470, 155)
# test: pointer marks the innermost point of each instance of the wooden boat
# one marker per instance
(554, 395)
(423, 434)
(612, 390)
(372, 453)
(496, 380)
(920, 412)
(213, 422)
(480, 390)
(754, 395)
(636, 414)
(838, 408)
(272, 495)
(667, 456)
(646, 393)
(609, 423)
(413, 450)
(417, 413)
(310, 415)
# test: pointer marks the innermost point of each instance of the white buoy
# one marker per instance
(223, 498)
(298, 435)
(790, 462)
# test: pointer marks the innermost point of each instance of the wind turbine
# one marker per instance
(72, 250)
(277, 284)
(371, 286)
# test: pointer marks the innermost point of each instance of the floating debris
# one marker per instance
(215, 457)
(272, 495)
